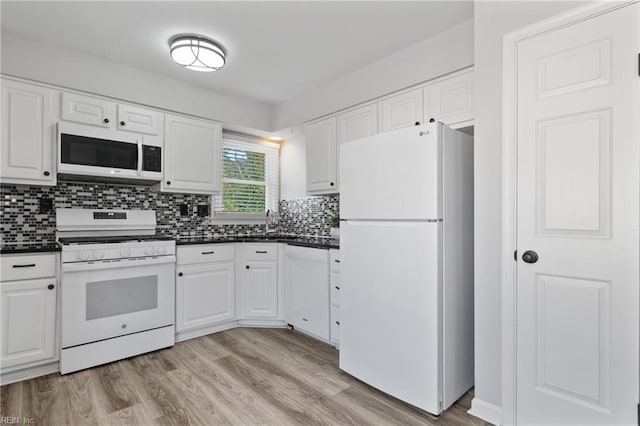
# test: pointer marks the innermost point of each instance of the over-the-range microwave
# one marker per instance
(94, 154)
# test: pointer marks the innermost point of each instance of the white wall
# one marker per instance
(493, 20)
(293, 170)
(51, 64)
(441, 54)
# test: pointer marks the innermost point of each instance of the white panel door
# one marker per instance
(322, 166)
(401, 111)
(577, 187)
(390, 308)
(193, 151)
(260, 290)
(139, 120)
(450, 101)
(27, 134)
(88, 110)
(393, 175)
(205, 295)
(28, 327)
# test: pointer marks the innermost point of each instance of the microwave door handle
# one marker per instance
(140, 161)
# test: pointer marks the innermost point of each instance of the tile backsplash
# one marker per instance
(22, 222)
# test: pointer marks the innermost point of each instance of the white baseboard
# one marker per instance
(486, 411)
(199, 332)
(28, 373)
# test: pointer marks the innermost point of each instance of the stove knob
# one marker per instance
(161, 250)
(97, 254)
(148, 251)
(83, 255)
(125, 252)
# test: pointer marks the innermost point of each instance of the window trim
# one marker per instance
(248, 218)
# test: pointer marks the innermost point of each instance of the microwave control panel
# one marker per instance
(151, 158)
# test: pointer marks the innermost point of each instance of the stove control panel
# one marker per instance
(102, 252)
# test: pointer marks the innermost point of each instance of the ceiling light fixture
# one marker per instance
(197, 53)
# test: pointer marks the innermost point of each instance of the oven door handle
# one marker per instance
(122, 263)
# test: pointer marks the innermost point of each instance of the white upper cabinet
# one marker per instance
(403, 110)
(450, 101)
(357, 123)
(88, 110)
(28, 129)
(192, 155)
(139, 120)
(110, 115)
(322, 167)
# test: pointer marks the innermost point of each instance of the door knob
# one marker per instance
(530, 256)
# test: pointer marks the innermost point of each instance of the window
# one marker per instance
(249, 179)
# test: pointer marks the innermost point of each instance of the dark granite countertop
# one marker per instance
(313, 242)
(29, 248)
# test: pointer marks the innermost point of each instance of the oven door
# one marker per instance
(107, 299)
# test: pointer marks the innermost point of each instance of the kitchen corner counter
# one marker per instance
(29, 248)
(304, 241)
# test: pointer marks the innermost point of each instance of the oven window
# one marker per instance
(117, 297)
(86, 151)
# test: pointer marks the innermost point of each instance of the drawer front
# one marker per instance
(258, 252)
(334, 260)
(205, 253)
(335, 288)
(335, 324)
(27, 267)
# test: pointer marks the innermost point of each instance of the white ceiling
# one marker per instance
(276, 50)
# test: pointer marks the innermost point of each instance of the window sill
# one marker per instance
(225, 218)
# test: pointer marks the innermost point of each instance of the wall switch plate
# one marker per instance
(203, 210)
(184, 209)
(46, 205)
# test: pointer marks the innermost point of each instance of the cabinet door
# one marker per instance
(322, 170)
(450, 101)
(87, 110)
(357, 123)
(192, 155)
(260, 290)
(307, 290)
(28, 321)
(204, 295)
(27, 134)
(400, 111)
(139, 120)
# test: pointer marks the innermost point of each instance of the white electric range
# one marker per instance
(118, 286)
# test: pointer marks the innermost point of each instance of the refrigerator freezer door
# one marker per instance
(394, 175)
(390, 308)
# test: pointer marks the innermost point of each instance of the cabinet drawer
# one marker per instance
(261, 252)
(334, 260)
(335, 288)
(27, 267)
(335, 324)
(205, 253)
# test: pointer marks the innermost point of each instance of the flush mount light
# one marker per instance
(197, 53)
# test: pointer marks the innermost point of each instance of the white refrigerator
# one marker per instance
(406, 250)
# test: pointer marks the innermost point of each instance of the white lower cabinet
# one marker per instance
(259, 281)
(306, 301)
(205, 286)
(205, 295)
(28, 293)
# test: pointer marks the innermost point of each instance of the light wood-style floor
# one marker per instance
(242, 377)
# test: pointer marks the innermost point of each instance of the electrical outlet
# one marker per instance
(46, 205)
(184, 209)
(203, 210)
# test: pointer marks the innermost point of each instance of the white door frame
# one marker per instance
(509, 196)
